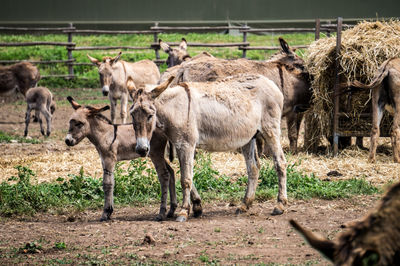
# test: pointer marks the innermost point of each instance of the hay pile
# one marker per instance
(364, 48)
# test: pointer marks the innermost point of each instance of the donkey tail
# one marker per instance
(186, 87)
(382, 73)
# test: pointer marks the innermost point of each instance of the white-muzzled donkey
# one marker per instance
(114, 74)
(115, 143)
(215, 116)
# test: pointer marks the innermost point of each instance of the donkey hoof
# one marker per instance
(104, 219)
(181, 219)
(278, 210)
(241, 210)
(170, 214)
(160, 218)
(197, 210)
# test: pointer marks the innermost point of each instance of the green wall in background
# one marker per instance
(193, 11)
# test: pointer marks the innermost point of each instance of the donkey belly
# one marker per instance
(221, 131)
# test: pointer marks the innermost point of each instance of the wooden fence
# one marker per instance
(244, 46)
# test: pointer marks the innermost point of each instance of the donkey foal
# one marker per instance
(116, 143)
(41, 100)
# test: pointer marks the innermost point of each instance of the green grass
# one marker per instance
(7, 138)
(138, 184)
(88, 75)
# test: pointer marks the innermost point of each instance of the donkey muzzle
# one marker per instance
(105, 90)
(69, 140)
(142, 147)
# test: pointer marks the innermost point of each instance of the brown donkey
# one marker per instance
(373, 240)
(175, 55)
(286, 69)
(215, 116)
(115, 143)
(385, 93)
(18, 78)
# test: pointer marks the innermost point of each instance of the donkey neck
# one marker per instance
(120, 77)
(100, 130)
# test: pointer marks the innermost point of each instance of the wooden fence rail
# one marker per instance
(70, 46)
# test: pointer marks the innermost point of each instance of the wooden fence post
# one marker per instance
(156, 41)
(317, 28)
(244, 40)
(336, 87)
(70, 57)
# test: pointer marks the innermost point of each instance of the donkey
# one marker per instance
(215, 116)
(385, 93)
(115, 143)
(18, 78)
(114, 74)
(41, 100)
(373, 240)
(175, 55)
(286, 69)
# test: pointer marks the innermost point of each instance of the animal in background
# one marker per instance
(41, 100)
(18, 78)
(285, 68)
(385, 89)
(175, 55)
(114, 74)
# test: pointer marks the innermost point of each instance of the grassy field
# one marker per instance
(87, 76)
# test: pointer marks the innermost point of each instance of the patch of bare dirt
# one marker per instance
(218, 236)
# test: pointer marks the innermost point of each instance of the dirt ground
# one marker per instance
(218, 236)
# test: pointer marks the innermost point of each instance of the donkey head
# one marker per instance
(79, 124)
(175, 55)
(143, 112)
(106, 70)
(288, 57)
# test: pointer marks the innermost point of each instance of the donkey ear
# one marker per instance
(285, 46)
(164, 46)
(73, 103)
(162, 87)
(94, 110)
(95, 61)
(130, 85)
(323, 245)
(183, 44)
(116, 58)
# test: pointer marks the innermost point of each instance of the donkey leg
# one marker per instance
(272, 139)
(113, 106)
(185, 155)
(124, 106)
(396, 126)
(27, 120)
(196, 201)
(377, 113)
(108, 188)
(253, 167)
(293, 122)
(37, 114)
(172, 192)
(164, 178)
(47, 116)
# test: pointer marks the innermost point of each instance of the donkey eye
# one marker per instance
(149, 118)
